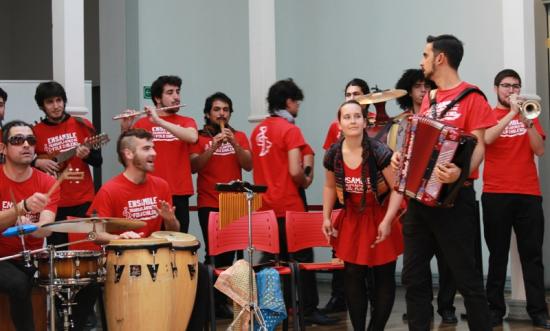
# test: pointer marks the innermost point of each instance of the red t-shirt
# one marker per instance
(509, 160)
(61, 137)
(120, 197)
(271, 140)
(38, 182)
(172, 163)
(469, 114)
(332, 135)
(222, 167)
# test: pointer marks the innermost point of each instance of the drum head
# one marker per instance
(178, 239)
(121, 244)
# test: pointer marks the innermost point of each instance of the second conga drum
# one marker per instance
(139, 285)
(185, 264)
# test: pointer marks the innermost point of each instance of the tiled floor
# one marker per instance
(395, 322)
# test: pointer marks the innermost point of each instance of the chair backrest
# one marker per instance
(303, 230)
(265, 233)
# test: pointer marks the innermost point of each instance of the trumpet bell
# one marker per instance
(530, 109)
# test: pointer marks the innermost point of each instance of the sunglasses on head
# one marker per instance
(20, 139)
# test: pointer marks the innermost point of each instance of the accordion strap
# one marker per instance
(459, 97)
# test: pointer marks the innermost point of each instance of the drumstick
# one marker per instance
(55, 185)
(14, 203)
(141, 112)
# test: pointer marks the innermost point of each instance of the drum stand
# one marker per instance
(253, 308)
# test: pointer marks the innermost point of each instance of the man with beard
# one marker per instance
(453, 229)
(136, 184)
(172, 134)
(512, 199)
(416, 85)
(218, 157)
(28, 187)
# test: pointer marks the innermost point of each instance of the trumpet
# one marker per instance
(530, 107)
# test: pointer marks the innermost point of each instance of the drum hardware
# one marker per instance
(94, 225)
(253, 309)
(380, 96)
(192, 270)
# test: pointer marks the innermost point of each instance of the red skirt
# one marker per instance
(357, 231)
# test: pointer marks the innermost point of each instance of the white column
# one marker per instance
(518, 33)
(261, 31)
(68, 52)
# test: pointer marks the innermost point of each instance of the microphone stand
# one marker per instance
(254, 309)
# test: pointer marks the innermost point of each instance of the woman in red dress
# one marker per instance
(365, 235)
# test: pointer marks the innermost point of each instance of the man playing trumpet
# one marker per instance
(172, 135)
(512, 199)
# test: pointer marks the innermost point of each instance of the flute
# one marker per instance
(141, 112)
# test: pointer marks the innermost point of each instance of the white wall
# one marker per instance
(320, 43)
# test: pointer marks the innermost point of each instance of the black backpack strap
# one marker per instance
(459, 97)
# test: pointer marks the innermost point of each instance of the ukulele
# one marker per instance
(61, 158)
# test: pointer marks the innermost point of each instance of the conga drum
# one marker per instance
(139, 285)
(185, 269)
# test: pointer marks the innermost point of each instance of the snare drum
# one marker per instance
(139, 286)
(185, 268)
(71, 267)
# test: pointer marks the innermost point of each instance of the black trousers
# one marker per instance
(523, 213)
(307, 279)
(181, 202)
(447, 286)
(199, 314)
(16, 283)
(453, 230)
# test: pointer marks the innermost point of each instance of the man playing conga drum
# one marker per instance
(136, 194)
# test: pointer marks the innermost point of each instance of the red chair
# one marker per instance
(234, 237)
(303, 230)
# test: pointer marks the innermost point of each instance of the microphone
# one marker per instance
(19, 230)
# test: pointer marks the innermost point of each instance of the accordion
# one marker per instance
(428, 143)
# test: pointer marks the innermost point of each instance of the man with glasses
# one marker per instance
(28, 187)
(512, 200)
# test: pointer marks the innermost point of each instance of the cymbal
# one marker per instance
(97, 224)
(382, 96)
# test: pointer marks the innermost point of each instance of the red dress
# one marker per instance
(358, 230)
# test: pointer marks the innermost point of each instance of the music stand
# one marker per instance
(249, 190)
